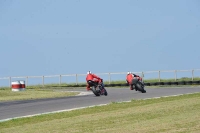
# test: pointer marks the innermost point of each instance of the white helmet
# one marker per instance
(89, 72)
(128, 72)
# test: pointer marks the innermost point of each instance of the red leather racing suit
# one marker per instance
(94, 78)
(130, 77)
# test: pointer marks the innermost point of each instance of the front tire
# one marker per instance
(105, 92)
(96, 92)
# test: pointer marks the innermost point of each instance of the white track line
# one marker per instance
(84, 107)
(52, 112)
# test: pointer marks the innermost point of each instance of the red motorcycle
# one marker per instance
(97, 89)
(138, 85)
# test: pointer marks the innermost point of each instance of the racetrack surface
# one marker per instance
(15, 109)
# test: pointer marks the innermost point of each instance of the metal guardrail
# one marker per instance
(27, 78)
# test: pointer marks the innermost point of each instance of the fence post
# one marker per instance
(27, 81)
(159, 76)
(43, 80)
(143, 76)
(192, 75)
(9, 81)
(109, 78)
(60, 79)
(76, 79)
(175, 72)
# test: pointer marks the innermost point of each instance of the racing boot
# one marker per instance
(88, 88)
(102, 91)
(131, 87)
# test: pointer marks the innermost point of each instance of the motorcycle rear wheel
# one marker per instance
(140, 88)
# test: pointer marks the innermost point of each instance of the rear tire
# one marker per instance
(140, 88)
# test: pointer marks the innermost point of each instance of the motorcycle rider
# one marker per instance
(92, 77)
(129, 78)
(137, 76)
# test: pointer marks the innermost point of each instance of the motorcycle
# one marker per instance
(97, 89)
(138, 85)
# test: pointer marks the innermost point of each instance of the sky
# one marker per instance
(47, 37)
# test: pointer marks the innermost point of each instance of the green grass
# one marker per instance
(7, 94)
(169, 114)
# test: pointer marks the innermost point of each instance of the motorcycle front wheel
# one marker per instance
(95, 91)
(105, 92)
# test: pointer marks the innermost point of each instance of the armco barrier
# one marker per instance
(196, 82)
(149, 84)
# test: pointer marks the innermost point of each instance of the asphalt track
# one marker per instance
(16, 109)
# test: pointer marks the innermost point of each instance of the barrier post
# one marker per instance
(9, 79)
(43, 80)
(76, 79)
(60, 78)
(175, 72)
(192, 75)
(109, 78)
(143, 76)
(27, 81)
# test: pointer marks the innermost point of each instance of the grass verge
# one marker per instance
(167, 114)
(33, 93)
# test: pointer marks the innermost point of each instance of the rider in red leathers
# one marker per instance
(129, 78)
(92, 77)
(137, 76)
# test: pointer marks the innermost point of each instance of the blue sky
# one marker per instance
(46, 37)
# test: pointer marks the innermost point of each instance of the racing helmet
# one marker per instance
(89, 72)
(128, 72)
